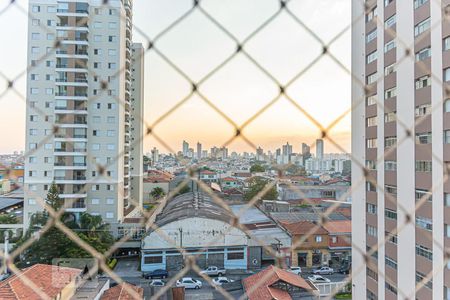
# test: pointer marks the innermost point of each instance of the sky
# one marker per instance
(239, 89)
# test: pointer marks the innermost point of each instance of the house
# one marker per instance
(309, 242)
(339, 241)
(274, 283)
(208, 176)
(153, 179)
(230, 183)
(53, 281)
(123, 291)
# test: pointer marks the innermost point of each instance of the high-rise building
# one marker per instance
(319, 149)
(199, 151)
(155, 155)
(84, 112)
(185, 148)
(401, 54)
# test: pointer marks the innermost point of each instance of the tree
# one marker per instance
(295, 170)
(257, 168)
(54, 243)
(157, 193)
(257, 184)
(8, 219)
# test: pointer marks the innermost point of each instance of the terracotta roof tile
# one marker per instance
(338, 227)
(120, 293)
(50, 279)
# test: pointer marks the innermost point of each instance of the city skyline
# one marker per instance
(236, 89)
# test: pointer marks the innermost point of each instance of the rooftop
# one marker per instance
(120, 293)
(338, 227)
(291, 217)
(304, 227)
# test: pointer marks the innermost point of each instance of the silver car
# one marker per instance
(189, 283)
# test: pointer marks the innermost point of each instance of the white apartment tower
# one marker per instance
(401, 134)
(85, 107)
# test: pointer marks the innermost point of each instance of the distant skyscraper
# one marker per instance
(319, 149)
(306, 150)
(199, 150)
(155, 155)
(259, 154)
(185, 148)
(98, 114)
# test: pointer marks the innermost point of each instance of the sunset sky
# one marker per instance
(239, 89)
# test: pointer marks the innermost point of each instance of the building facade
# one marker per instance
(401, 57)
(84, 112)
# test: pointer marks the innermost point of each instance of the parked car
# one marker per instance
(213, 271)
(323, 271)
(159, 273)
(345, 269)
(295, 270)
(221, 280)
(189, 283)
(318, 279)
(157, 282)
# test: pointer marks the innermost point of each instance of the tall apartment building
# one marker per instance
(401, 54)
(319, 148)
(90, 89)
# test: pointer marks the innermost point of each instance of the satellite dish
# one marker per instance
(255, 262)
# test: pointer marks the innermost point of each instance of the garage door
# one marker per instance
(174, 262)
(216, 259)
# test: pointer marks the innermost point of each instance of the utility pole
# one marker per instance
(181, 237)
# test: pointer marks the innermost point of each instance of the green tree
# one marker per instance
(8, 219)
(256, 185)
(157, 193)
(54, 243)
(257, 168)
(295, 170)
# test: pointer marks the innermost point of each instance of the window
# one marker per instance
(423, 82)
(387, 2)
(34, 91)
(50, 36)
(36, 8)
(371, 100)
(391, 288)
(112, 52)
(390, 214)
(111, 133)
(32, 201)
(390, 262)
(95, 201)
(390, 141)
(390, 117)
(97, 65)
(371, 121)
(95, 147)
(371, 14)
(153, 259)
(48, 146)
(235, 255)
(109, 187)
(390, 165)
(446, 136)
(49, 91)
(318, 239)
(109, 215)
(371, 57)
(390, 22)
(33, 132)
(34, 50)
(423, 166)
(423, 110)
(389, 69)
(111, 120)
(446, 43)
(427, 283)
(96, 119)
(392, 44)
(422, 27)
(371, 208)
(371, 143)
(372, 231)
(372, 274)
(97, 24)
(112, 12)
(423, 194)
(389, 93)
(34, 77)
(423, 138)
(447, 105)
(111, 106)
(97, 51)
(371, 36)
(447, 74)
(112, 38)
(97, 11)
(423, 54)
(424, 223)
(109, 201)
(112, 25)
(112, 66)
(35, 22)
(390, 189)
(96, 187)
(110, 147)
(391, 238)
(32, 146)
(371, 78)
(370, 187)
(419, 3)
(371, 164)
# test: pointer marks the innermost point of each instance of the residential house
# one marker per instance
(340, 236)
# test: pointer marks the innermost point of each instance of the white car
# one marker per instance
(295, 270)
(221, 280)
(189, 283)
(323, 271)
(157, 282)
(318, 279)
